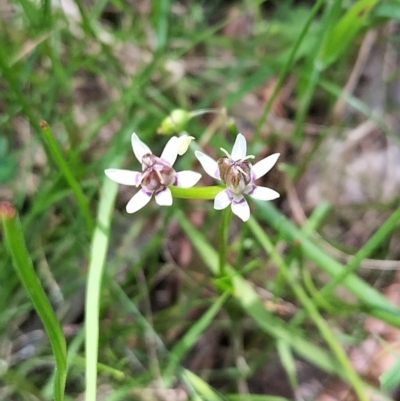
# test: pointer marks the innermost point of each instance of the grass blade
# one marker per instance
(286, 68)
(23, 265)
(190, 338)
(375, 241)
(349, 372)
(345, 30)
(67, 173)
(254, 306)
(379, 306)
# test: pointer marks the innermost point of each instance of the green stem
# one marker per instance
(223, 238)
(98, 255)
(195, 192)
(23, 265)
(201, 112)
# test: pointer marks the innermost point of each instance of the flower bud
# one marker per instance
(175, 122)
(183, 143)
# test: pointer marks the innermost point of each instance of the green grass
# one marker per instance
(77, 269)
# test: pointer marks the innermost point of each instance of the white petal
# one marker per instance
(142, 198)
(209, 165)
(263, 166)
(186, 179)
(170, 152)
(164, 197)
(183, 143)
(262, 193)
(241, 209)
(124, 177)
(239, 148)
(222, 200)
(139, 148)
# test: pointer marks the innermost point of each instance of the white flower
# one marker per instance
(239, 175)
(157, 173)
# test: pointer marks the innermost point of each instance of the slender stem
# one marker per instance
(195, 192)
(223, 238)
(98, 255)
(23, 265)
(207, 111)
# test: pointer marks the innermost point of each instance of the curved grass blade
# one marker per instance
(23, 265)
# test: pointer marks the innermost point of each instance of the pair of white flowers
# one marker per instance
(234, 170)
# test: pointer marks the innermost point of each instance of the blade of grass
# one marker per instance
(360, 106)
(344, 31)
(287, 66)
(190, 338)
(312, 310)
(67, 173)
(8, 74)
(254, 306)
(257, 397)
(22, 262)
(131, 307)
(365, 251)
(203, 388)
(161, 13)
(313, 70)
(379, 306)
(288, 362)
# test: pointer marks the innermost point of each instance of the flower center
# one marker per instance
(235, 174)
(157, 173)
